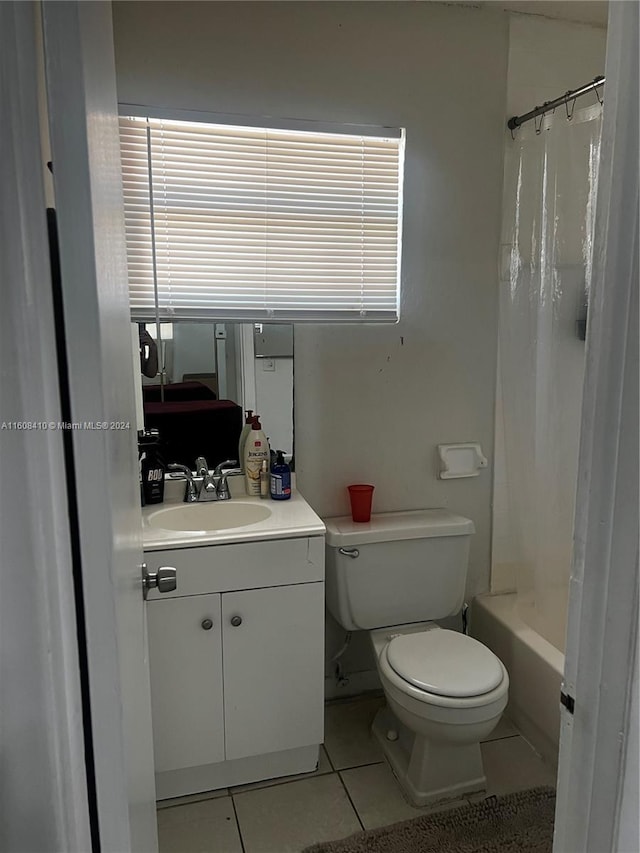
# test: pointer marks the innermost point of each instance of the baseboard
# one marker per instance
(353, 684)
(241, 771)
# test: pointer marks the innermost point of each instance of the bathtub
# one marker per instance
(535, 670)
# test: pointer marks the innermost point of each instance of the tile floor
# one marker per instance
(352, 789)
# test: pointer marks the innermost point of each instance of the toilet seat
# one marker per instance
(444, 663)
(437, 706)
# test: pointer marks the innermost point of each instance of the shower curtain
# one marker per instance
(550, 185)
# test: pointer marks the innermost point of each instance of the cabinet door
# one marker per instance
(185, 658)
(273, 668)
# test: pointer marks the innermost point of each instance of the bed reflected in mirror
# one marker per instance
(199, 379)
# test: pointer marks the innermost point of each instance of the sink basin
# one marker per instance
(204, 517)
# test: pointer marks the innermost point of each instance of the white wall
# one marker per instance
(194, 349)
(371, 402)
(274, 401)
(546, 58)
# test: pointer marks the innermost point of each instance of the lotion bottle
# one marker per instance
(246, 429)
(256, 451)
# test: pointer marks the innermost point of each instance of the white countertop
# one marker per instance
(289, 519)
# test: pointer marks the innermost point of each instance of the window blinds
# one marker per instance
(247, 223)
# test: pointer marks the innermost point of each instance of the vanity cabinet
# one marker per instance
(237, 674)
(273, 669)
(185, 662)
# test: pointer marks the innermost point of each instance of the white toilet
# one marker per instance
(445, 690)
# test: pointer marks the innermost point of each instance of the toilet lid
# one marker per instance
(445, 663)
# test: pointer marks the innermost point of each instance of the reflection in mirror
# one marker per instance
(273, 340)
(206, 375)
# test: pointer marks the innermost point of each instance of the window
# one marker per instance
(229, 222)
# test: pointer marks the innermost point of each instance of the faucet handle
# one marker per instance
(190, 494)
(182, 469)
(223, 486)
(228, 463)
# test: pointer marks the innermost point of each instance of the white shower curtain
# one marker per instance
(550, 185)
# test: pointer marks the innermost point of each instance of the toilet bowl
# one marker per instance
(394, 576)
(437, 755)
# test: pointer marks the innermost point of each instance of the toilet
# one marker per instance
(445, 691)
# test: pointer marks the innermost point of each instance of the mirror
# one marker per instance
(273, 341)
(206, 376)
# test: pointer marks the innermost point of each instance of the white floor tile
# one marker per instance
(288, 818)
(324, 767)
(511, 765)
(348, 739)
(206, 827)
(378, 798)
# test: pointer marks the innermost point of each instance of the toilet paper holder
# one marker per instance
(461, 460)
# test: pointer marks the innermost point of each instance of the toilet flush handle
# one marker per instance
(349, 552)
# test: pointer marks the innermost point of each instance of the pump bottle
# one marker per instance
(256, 450)
(246, 429)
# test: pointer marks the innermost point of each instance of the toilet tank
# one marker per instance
(400, 567)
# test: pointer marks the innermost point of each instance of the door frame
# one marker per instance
(598, 764)
(45, 780)
(85, 151)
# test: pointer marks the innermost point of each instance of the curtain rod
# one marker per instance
(571, 95)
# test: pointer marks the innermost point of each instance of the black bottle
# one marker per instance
(152, 467)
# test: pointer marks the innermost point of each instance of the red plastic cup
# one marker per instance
(361, 496)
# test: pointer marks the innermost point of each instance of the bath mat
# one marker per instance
(513, 823)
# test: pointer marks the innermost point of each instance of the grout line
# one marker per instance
(274, 783)
(302, 777)
(326, 752)
(504, 737)
(358, 766)
(233, 804)
(353, 805)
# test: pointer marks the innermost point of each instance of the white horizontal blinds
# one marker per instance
(254, 223)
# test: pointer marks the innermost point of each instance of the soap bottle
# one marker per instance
(280, 479)
(246, 429)
(256, 450)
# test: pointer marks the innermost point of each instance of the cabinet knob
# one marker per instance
(236, 620)
(207, 624)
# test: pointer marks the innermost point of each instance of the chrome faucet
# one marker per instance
(207, 491)
(213, 486)
(221, 472)
(190, 492)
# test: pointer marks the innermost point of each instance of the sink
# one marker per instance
(204, 517)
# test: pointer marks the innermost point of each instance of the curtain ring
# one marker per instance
(600, 100)
(538, 125)
(573, 106)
